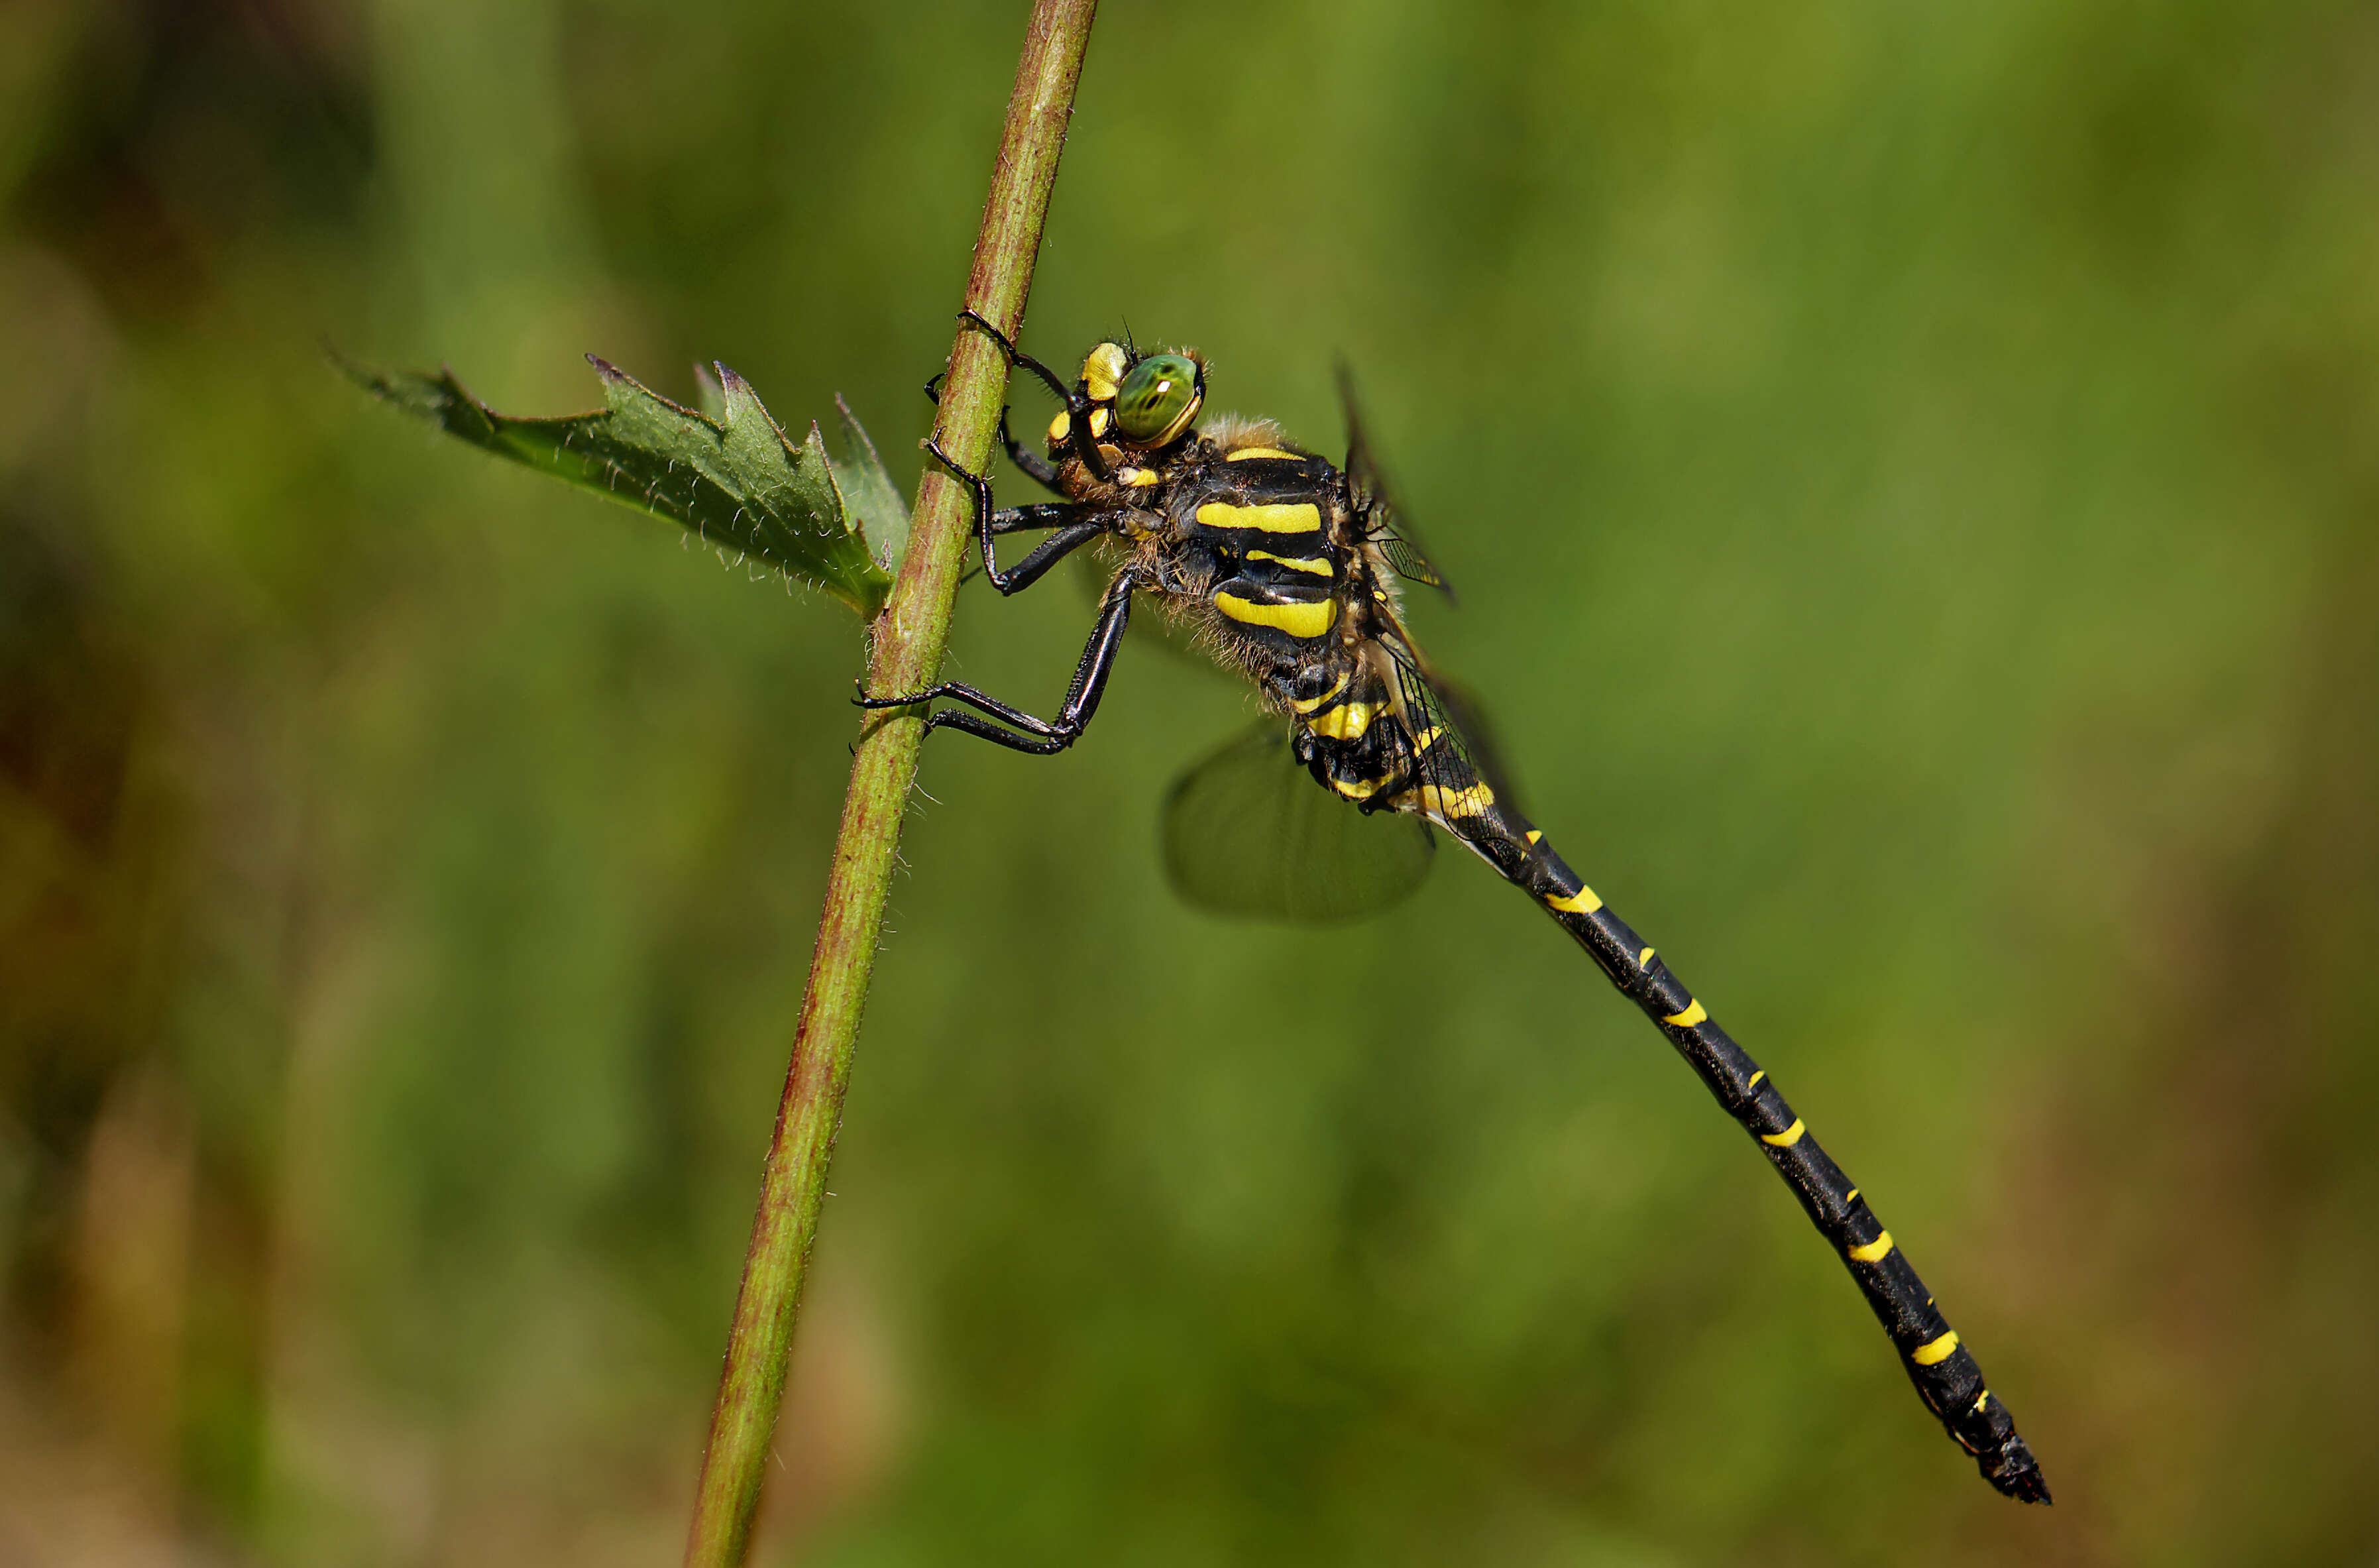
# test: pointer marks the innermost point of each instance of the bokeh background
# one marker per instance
(1914, 473)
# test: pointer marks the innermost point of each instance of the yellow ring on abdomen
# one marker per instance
(1347, 722)
(1933, 1355)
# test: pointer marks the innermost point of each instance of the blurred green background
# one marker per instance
(1913, 472)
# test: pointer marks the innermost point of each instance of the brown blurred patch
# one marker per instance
(2183, 1201)
(131, 1268)
(844, 1418)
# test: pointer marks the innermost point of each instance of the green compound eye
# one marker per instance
(1157, 399)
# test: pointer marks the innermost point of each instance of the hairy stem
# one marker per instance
(906, 656)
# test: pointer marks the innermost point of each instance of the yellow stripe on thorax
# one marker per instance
(1298, 617)
(1317, 564)
(1285, 517)
(1243, 453)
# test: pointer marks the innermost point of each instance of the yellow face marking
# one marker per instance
(1299, 620)
(1243, 453)
(1933, 1355)
(1874, 1250)
(1754, 1084)
(1786, 1138)
(1295, 517)
(1582, 901)
(1693, 1015)
(1103, 372)
(1356, 789)
(1347, 723)
(1533, 836)
(1307, 705)
(1472, 801)
(1139, 479)
(1060, 428)
(1644, 959)
(1100, 418)
(1318, 565)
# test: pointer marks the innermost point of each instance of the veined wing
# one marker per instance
(1367, 489)
(1248, 832)
(1451, 748)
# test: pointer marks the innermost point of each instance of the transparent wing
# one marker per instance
(1368, 489)
(1248, 832)
(1452, 742)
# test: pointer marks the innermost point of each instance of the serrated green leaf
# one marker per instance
(709, 395)
(735, 479)
(869, 491)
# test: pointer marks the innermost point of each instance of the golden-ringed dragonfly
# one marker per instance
(1286, 568)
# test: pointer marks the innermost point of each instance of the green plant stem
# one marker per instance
(906, 656)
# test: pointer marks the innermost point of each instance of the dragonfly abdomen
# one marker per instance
(1945, 1373)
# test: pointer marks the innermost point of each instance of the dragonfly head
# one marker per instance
(1138, 402)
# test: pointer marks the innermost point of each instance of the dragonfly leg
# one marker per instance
(1035, 467)
(1069, 537)
(1073, 528)
(1040, 737)
(1017, 356)
(1039, 514)
(1077, 406)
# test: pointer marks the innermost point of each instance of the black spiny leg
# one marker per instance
(1075, 527)
(1035, 467)
(1040, 737)
(1078, 407)
(1039, 514)
(1069, 537)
